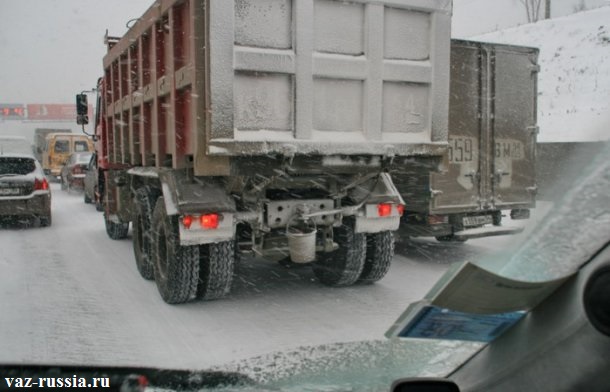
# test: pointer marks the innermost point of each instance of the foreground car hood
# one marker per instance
(354, 366)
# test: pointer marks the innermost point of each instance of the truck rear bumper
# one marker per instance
(480, 232)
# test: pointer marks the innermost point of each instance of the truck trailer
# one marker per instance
(489, 170)
(269, 128)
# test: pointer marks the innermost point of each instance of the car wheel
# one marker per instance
(87, 198)
(379, 255)
(45, 221)
(343, 266)
(176, 267)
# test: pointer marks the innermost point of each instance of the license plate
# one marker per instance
(478, 220)
(9, 191)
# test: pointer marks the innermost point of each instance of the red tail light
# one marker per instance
(209, 221)
(401, 209)
(187, 221)
(384, 209)
(41, 185)
(77, 170)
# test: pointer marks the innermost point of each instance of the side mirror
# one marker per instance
(596, 299)
(82, 109)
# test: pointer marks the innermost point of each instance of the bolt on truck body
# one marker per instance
(268, 127)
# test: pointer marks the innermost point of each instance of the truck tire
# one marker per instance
(176, 267)
(216, 267)
(116, 231)
(343, 266)
(449, 238)
(379, 254)
(144, 203)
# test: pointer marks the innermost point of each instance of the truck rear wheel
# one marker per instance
(379, 254)
(176, 267)
(116, 231)
(144, 203)
(217, 262)
(343, 266)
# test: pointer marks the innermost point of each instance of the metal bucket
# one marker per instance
(302, 241)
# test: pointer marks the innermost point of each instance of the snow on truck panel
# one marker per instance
(326, 77)
(369, 70)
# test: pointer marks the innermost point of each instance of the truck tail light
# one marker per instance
(384, 209)
(187, 221)
(209, 221)
(41, 185)
(401, 209)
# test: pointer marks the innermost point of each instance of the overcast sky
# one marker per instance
(52, 49)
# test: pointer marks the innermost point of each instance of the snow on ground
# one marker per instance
(574, 82)
(70, 295)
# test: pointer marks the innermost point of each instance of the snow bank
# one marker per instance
(574, 82)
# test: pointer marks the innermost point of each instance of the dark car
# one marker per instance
(73, 172)
(24, 190)
(91, 192)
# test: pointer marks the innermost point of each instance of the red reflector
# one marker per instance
(41, 185)
(187, 221)
(209, 221)
(401, 209)
(384, 209)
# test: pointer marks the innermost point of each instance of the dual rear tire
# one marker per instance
(187, 272)
(361, 258)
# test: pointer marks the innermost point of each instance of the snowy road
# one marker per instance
(69, 294)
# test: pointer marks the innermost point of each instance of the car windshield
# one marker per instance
(270, 184)
(17, 166)
(62, 146)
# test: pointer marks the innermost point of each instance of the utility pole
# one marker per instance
(547, 9)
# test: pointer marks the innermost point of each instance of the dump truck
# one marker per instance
(489, 170)
(268, 128)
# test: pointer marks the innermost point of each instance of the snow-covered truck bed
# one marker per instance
(255, 123)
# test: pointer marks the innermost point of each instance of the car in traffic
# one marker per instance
(91, 189)
(58, 148)
(24, 190)
(74, 170)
